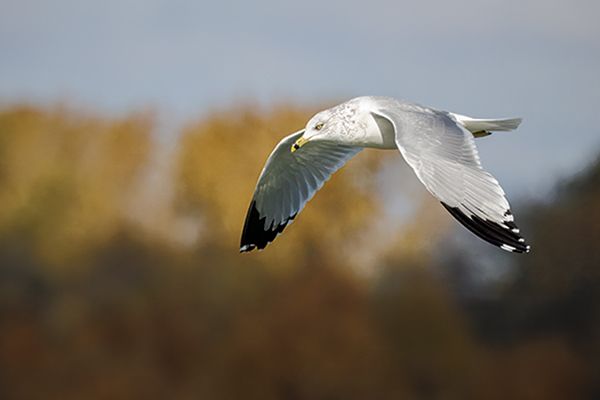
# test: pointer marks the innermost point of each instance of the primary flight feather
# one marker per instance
(438, 145)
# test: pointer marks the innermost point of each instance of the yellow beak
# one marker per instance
(299, 143)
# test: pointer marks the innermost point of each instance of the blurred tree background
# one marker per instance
(118, 285)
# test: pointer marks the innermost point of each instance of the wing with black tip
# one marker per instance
(442, 153)
(286, 183)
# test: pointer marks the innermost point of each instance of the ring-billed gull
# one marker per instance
(438, 145)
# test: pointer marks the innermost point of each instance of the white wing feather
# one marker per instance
(442, 153)
(287, 181)
(438, 145)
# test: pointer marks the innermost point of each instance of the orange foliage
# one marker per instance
(220, 161)
(66, 178)
(132, 315)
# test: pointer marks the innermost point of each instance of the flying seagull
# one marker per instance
(438, 145)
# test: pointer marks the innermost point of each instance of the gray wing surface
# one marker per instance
(287, 181)
(443, 155)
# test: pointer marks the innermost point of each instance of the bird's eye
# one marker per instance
(318, 127)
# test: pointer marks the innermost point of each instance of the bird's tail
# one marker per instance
(483, 127)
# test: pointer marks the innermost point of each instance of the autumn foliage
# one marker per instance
(120, 276)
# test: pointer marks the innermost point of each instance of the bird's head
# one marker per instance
(335, 125)
(318, 128)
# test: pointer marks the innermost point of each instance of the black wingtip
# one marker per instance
(254, 235)
(506, 237)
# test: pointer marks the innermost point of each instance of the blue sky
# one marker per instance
(537, 59)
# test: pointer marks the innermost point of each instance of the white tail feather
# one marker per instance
(488, 125)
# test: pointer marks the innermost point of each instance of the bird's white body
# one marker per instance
(438, 145)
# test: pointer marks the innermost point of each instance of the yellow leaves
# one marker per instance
(207, 321)
(66, 177)
(69, 181)
(221, 159)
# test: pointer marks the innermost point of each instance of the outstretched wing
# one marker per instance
(444, 157)
(286, 183)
